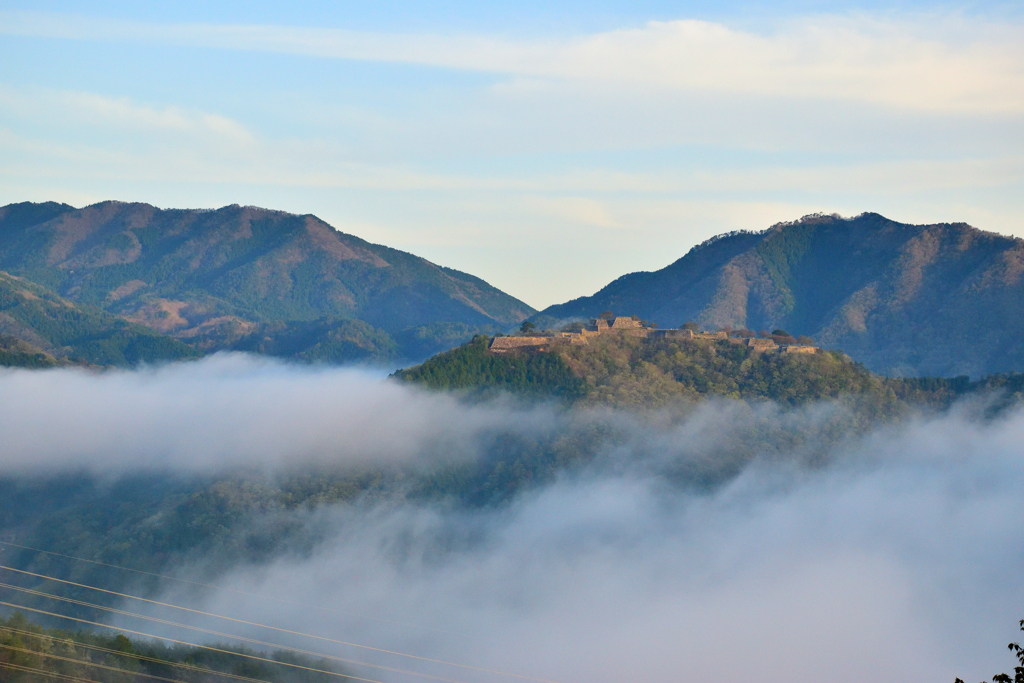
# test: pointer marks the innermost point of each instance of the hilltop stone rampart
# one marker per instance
(635, 328)
(502, 344)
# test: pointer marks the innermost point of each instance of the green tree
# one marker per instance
(1018, 671)
(690, 325)
(527, 327)
(607, 315)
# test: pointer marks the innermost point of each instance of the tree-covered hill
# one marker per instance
(911, 300)
(245, 277)
(627, 371)
(40, 329)
(634, 372)
(471, 366)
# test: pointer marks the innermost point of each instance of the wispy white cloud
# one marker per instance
(120, 113)
(920, 65)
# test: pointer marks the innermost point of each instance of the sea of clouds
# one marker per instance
(890, 555)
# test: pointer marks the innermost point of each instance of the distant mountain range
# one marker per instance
(943, 299)
(244, 278)
(117, 283)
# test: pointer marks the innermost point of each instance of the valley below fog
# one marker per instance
(710, 540)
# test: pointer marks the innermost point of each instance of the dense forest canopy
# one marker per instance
(649, 372)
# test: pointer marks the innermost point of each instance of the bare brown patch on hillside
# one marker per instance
(1007, 271)
(162, 315)
(106, 254)
(219, 324)
(73, 228)
(918, 253)
(216, 333)
(743, 288)
(329, 239)
(459, 294)
(966, 240)
(728, 305)
(127, 289)
(851, 318)
(857, 309)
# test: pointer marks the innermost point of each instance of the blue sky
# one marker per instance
(545, 147)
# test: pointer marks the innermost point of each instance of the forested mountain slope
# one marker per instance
(903, 299)
(631, 372)
(40, 329)
(642, 373)
(245, 277)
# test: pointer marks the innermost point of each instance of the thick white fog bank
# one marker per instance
(229, 410)
(234, 411)
(819, 554)
(902, 562)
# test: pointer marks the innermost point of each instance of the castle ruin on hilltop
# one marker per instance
(633, 327)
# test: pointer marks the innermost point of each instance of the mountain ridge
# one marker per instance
(939, 299)
(217, 278)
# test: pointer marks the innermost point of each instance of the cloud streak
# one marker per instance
(885, 62)
(120, 113)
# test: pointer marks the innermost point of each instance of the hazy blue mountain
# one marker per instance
(251, 278)
(941, 299)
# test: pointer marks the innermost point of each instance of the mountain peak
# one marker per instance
(214, 276)
(904, 299)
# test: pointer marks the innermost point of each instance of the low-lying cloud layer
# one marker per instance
(235, 411)
(901, 564)
(224, 412)
(826, 554)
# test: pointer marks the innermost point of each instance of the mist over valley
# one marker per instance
(555, 342)
(584, 543)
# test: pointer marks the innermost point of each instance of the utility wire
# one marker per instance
(86, 662)
(221, 634)
(273, 628)
(43, 672)
(226, 589)
(185, 642)
(133, 655)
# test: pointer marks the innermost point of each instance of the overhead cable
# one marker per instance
(132, 655)
(185, 642)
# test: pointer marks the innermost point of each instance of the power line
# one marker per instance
(133, 655)
(221, 634)
(226, 589)
(43, 672)
(185, 642)
(252, 623)
(86, 662)
(280, 630)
